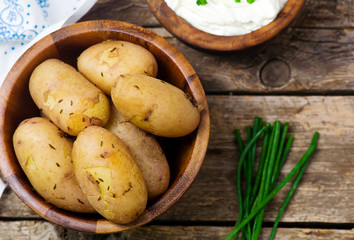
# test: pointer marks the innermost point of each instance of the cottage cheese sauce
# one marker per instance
(226, 17)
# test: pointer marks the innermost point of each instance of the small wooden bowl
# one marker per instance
(185, 154)
(214, 43)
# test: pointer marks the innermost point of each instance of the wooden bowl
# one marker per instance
(214, 43)
(185, 154)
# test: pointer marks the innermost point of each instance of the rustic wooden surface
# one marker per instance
(38, 230)
(305, 76)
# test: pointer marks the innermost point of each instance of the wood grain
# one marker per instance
(316, 66)
(41, 230)
(133, 11)
(326, 193)
(34, 230)
(327, 14)
(318, 48)
(320, 67)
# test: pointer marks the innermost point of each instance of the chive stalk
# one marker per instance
(280, 151)
(240, 163)
(202, 2)
(287, 199)
(291, 191)
(259, 189)
(257, 181)
(300, 165)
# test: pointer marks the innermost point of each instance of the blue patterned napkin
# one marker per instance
(24, 22)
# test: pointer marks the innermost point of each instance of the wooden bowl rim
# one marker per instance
(75, 221)
(215, 43)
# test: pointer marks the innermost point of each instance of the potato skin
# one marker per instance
(68, 98)
(155, 105)
(102, 63)
(108, 175)
(145, 150)
(44, 153)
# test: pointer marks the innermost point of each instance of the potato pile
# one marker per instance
(93, 149)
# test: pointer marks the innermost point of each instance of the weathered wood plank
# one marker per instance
(315, 13)
(318, 61)
(34, 230)
(214, 233)
(327, 190)
(326, 13)
(41, 230)
(133, 11)
(11, 206)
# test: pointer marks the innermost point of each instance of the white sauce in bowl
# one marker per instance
(226, 17)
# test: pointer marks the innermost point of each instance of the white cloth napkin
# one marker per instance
(24, 22)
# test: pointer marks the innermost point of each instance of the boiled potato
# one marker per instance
(44, 153)
(68, 98)
(145, 150)
(155, 105)
(108, 175)
(104, 62)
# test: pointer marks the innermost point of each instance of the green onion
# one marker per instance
(239, 140)
(259, 189)
(257, 181)
(264, 186)
(202, 2)
(280, 151)
(292, 190)
(285, 153)
(240, 163)
(249, 1)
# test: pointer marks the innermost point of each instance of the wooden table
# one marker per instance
(305, 76)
